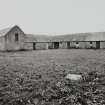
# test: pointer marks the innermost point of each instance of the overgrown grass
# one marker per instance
(31, 77)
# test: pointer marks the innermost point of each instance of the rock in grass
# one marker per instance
(73, 77)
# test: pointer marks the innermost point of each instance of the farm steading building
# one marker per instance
(14, 38)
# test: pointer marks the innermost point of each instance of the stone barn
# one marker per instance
(12, 38)
(95, 40)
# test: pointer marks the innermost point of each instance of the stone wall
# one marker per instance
(11, 43)
(2, 43)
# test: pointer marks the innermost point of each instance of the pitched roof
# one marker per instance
(37, 38)
(30, 38)
(95, 36)
(91, 36)
(3, 32)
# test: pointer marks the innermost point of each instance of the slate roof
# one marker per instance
(37, 38)
(3, 32)
(30, 38)
(95, 36)
(91, 36)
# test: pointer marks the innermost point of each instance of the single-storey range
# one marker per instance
(14, 38)
(94, 40)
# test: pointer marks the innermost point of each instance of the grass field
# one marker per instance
(48, 62)
(43, 61)
(20, 70)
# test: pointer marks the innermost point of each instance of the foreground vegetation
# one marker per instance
(38, 77)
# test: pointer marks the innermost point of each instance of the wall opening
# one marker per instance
(77, 44)
(34, 46)
(68, 45)
(56, 45)
(91, 44)
(97, 44)
(16, 37)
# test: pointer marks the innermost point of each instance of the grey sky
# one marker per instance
(53, 16)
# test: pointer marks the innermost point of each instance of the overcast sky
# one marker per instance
(53, 16)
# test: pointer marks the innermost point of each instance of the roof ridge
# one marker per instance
(4, 31)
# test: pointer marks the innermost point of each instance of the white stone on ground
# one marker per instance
(74, 77)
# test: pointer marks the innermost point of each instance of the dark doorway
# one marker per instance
(56, 45)
(98, 44)
(34, 46)
(68, 45)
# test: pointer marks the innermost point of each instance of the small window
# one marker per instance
(16, 37)
(90, 42)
